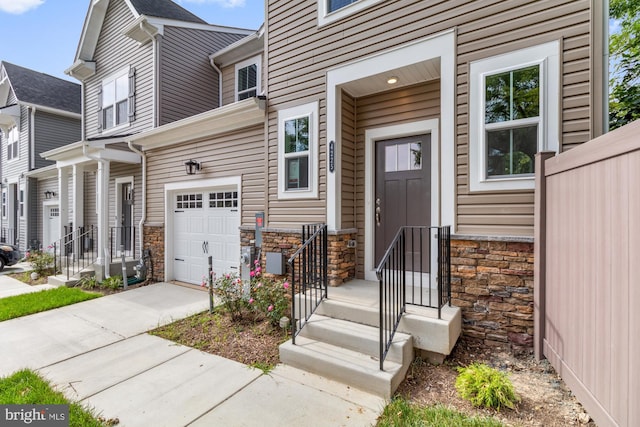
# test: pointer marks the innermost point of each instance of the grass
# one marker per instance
(25, 304)
(27, 388)
(401, 413)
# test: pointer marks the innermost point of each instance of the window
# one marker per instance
(513, 115)
(226, 199)
(13, 138)
(297, 152)
(403, 157)
(21, 203)
(4, 203)
(117, 100)
(332, 10)
(189, 201)
(248, 78)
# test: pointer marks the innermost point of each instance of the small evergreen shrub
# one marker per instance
(486, 386)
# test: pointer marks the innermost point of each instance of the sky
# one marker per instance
(43, 34)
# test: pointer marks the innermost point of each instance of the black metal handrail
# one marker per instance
(76, 249)
(309, 277)
(405, 277)
(122, 236)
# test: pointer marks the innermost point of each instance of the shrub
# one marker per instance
(230, 289)
(269, 298)
(485, 386)
(41, 262)
(88, 282)
(113, 283)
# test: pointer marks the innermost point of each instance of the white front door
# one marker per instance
(51, 225)
(205, 223)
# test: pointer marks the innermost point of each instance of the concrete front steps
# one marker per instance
(348, 352)
(341, 340)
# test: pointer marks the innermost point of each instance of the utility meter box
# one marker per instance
(275, 263)
(259, 225)
(247, 257)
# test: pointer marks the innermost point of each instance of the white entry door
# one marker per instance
(205, 223)
(51, 228)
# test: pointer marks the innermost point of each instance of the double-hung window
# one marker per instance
(248, 78)
(13, 138)
(298, 152)
(513, 115)
(333, 10)
(117, 100)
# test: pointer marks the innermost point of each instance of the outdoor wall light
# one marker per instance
(49, 194)
(392, 80)
(192, 166)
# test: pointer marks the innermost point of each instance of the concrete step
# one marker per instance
(338, 309)
(341, 364)
(357, 337)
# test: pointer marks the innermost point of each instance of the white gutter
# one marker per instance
(144, 193)
(53, 110)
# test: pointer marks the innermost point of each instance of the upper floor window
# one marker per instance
(332, 10)
(513, 115)
(298, 152)
(248, 78)
(117, 100)
(13, 138)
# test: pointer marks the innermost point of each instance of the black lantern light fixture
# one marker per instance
(192, 166)
(49, 194)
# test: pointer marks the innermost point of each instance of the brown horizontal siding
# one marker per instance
(348, 162)
(300, 53)
(240, 153)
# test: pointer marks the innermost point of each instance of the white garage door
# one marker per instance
(205, 224)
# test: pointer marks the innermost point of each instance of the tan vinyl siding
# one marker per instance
(348, 148)
(299, 54)
(188, 83)
(239, 153)
(228, 84)
(114, 53)
(404, 105)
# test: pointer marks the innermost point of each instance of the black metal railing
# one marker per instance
(75, 251)
(405, 276)
(122, 237)
(9, 236)
(308, 276)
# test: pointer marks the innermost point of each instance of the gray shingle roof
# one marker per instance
(165, 9)
(42, 89)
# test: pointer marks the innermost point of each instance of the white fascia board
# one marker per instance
(64, 151)
(195, 26)
(9, 116)
(119, 156)
(55, 111)
(228, 118)
(81, 69)
(45, 172)
(91, 29)
(249, 46)
(142, 31)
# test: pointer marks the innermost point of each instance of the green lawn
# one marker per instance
(22, 305)
(27, 388)
(401, 413)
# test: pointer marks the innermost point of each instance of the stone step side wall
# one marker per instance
(153, 238)
(492, 282)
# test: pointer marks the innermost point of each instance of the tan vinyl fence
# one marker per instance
(587, 290)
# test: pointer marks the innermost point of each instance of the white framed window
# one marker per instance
(4, 203)
(514, 113)
(21, 203)
(332, 10)
(298, 152)
(117, 100)
(248, 75)
(13, 139)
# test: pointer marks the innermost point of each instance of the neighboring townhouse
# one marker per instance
(381, 114)
(141, 64)
(38, 112)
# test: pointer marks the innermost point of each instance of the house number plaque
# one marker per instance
(332, 156)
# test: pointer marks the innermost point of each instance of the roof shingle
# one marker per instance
(165, 9)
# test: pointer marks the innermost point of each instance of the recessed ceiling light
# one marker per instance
(392, 80)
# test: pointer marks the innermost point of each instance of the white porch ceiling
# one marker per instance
(407, 76)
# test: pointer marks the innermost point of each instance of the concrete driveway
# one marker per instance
(97, 352)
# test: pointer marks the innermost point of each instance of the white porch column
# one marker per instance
(78, 200)
(63, 198)
(103, 212)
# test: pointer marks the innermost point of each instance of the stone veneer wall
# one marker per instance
(341, 258)
(492, 282)
(153, 238)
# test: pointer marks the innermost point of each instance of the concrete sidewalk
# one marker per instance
(97, 353)
(10, 286)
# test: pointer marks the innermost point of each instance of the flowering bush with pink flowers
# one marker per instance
(231, 291)
(268, 297)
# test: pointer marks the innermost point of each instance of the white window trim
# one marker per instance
(254, 60)
(307, 110)
(124, 72)
(4, 203)
(325, 17)
(22, 196)
(547, 56)
(16, 141)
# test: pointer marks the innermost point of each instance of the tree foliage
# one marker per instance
(624, 50)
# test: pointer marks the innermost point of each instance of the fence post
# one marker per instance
(539, 254)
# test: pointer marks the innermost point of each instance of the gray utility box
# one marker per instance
(247, 256)
(275, 263)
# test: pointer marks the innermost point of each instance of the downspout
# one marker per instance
(219, 71)
(32, 139)
(107, 259)
(144, 194)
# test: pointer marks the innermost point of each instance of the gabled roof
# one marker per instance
(33, 87)
(165, 9)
